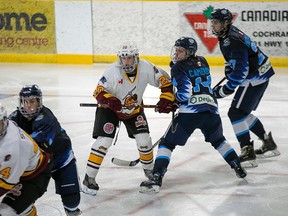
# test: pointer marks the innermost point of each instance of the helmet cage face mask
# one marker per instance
(3, 121)
(128, 50)
(28, 93)
(190, 46)
(224, 17)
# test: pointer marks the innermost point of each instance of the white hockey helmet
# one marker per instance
(128, 49)
(3, 120)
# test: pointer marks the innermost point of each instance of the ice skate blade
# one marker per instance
(151, 190)
(249, 164)
(268, 154)
(88, 191)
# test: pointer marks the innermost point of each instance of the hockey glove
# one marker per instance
(114, 104)
(222, 91)
(105, 98)
(165, 104)
(228, 69)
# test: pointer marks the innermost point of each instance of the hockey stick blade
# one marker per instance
(120, 162)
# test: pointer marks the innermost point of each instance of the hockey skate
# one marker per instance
(90, 186)
(153, 185)
(268, 148)
(73, 213)
(240, 172)
(248, 157)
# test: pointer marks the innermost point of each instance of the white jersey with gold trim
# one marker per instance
(130, 90)
(19, 156)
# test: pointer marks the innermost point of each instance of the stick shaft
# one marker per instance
(107, 105)
(219, 83)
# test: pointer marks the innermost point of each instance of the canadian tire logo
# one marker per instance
(199, 22)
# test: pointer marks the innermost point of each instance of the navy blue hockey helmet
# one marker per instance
(30, 92)
(221, 14)
(189, 44)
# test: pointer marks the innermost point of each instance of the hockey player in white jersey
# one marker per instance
(24, 169)
(122, 87)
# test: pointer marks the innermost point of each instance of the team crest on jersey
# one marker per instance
(39, 117)
(130, 99)
(226, 42)
(140, 121)
(108, 128)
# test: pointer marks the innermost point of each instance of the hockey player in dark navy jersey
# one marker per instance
(198, 109)
(248, 71)
(42, 125)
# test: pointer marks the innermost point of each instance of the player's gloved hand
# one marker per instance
(45, 147)
(228, 69)
(222, 91)
(114, 104)
(164, 105)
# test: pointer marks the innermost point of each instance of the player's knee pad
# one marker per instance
(143, 141)
(166, 144)
(144, 145)
(71, 201)
(218, 142)
(102, 143)
(6, 210)
(236, 114)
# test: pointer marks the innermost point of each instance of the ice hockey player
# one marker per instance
(198, 109)
(248, 69)
(122, 87)
(43, 126)
(25, 169)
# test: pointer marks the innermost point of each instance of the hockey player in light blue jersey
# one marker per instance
(198, 109)
(248, 70)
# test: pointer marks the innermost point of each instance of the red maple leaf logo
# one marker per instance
(199, 23)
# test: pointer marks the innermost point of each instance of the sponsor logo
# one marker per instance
(140, 121)
(108, 128)
(200, 99)
(102, 148)
(200, 23)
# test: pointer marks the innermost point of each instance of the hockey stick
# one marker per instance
(107, 105)
(219, 83)
(121, 162)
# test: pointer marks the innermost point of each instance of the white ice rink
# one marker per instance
(198, 181)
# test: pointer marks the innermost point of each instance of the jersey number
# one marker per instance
(206, 84)
(5, 172)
